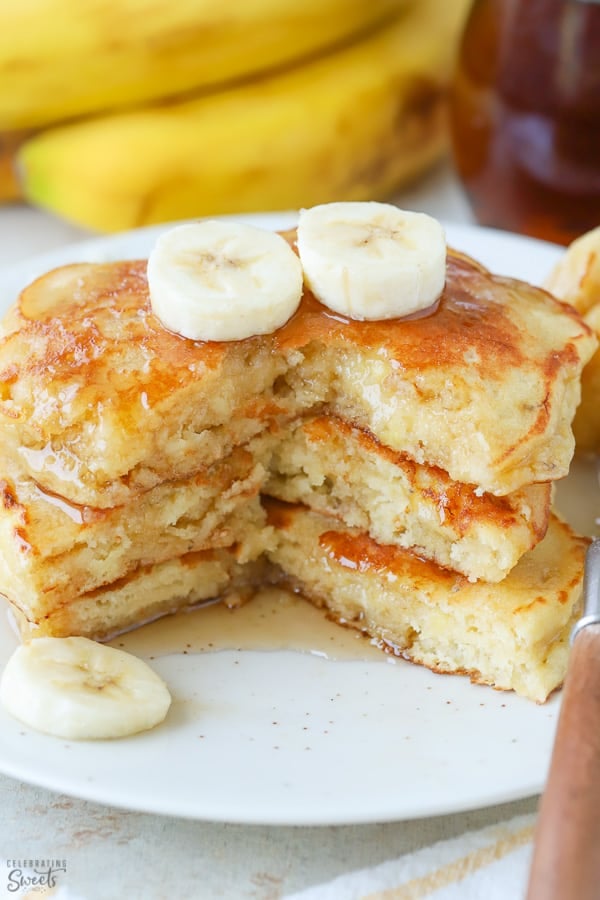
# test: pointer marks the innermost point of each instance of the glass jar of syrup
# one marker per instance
(525, 115)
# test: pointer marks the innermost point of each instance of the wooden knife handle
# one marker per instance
(566, 856)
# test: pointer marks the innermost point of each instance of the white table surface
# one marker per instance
(115, 854)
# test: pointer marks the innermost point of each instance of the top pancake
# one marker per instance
(100, 401)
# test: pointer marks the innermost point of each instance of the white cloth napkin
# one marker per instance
(490, 864)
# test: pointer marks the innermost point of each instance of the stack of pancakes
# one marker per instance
(397, 473)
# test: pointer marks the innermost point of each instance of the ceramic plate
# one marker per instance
(293, 738)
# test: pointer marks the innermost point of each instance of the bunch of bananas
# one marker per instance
(123, 113)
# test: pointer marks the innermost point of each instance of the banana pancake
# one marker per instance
(54, 550)
(513, 635)
(134, 460)
(101, 402)
(151, 591)
(342, 471)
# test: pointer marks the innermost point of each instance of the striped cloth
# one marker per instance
(490, 864)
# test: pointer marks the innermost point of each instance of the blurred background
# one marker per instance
(116, 114)
(120, 113)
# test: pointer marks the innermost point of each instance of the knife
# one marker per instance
(566, 854)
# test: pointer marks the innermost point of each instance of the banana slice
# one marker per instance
(372, 260)
(223, 281)
(78, 689)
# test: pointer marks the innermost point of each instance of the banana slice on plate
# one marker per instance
(78, 689)
(372, 261)
(218, 280)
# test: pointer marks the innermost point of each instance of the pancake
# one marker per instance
(101, 402)
(52, 551)
(133, 461)
(342, 471)
(512, 636)
(149, 592)
(485, 386)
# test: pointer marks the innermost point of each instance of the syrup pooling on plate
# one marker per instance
(272, 620)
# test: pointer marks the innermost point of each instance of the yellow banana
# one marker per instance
(351, 125)
(66, 58)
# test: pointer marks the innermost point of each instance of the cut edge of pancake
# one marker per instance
(512, 635)
(201, 420)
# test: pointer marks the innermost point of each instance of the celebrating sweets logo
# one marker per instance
(33, 876)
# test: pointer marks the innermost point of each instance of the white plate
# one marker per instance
(291, 738)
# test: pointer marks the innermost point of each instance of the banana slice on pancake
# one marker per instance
(219, 280)
(371, 261)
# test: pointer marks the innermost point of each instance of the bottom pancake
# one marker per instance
(513, 635)
(150, 592)
(52, 552)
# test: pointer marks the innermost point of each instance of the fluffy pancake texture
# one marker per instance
(135, 465)
(100, 401)
(52, 550)
(512, 635)
(342, 471)
(149, 592)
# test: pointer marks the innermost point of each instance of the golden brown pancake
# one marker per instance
(513, 635)
(53, 550)
(132, 462)
(149, 592)
(100, 401)
(342, 471)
